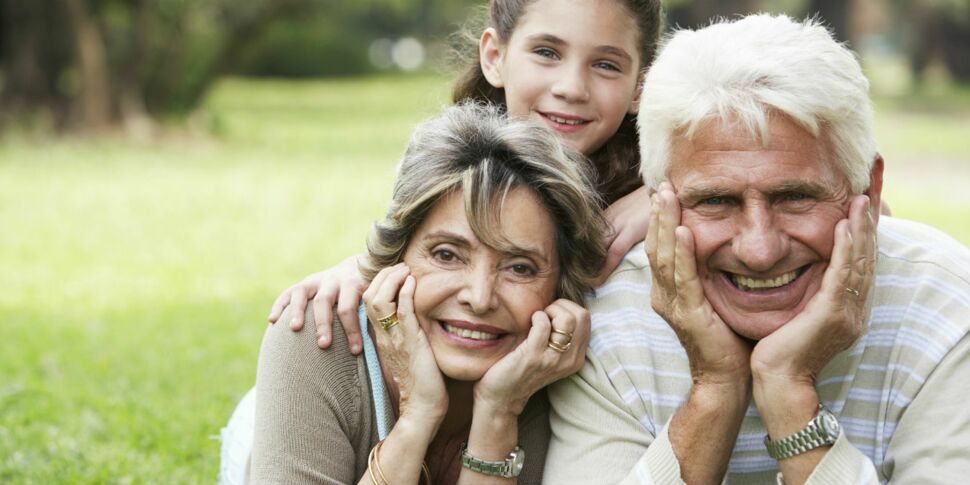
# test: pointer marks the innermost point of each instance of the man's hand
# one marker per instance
(716, 354)
(703, 429)
(786, 364)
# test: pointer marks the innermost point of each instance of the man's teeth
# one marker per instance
(748, 284)
(472, 334)
(564, 120)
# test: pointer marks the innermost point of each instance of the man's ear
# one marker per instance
(875, 188)
(491, 53)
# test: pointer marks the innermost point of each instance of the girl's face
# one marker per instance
(571, 64)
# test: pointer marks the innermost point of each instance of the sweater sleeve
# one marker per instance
(595, 439)
(307, 410)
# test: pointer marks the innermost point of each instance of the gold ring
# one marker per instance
(854, 291)
(558, 347)
(568, 335)
(388, 321)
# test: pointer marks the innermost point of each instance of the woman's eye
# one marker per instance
(444, 255)
(522, 269)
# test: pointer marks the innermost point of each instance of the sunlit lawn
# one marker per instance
(136, 277)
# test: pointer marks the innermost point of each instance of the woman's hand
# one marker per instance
(342, 286)
(534, 364)
(404, 349)
(629, 216)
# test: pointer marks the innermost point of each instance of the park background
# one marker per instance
(167, 167)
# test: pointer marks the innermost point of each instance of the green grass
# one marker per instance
(137, 276)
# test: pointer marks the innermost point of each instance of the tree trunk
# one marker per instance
(835, 13)
(93, 104)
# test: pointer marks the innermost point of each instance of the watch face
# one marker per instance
(831, 425)
(518, 462)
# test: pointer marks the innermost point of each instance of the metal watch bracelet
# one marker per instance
(822, 430)
(507, 468)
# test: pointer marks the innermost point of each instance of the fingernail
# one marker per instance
(294, 322)
(355, 348)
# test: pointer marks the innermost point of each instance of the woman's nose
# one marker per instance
(478, 290)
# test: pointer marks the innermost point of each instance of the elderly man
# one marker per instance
(789, 340)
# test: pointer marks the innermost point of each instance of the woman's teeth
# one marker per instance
(466, 333)
(748, 284)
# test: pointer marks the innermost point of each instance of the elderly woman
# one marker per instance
(492, 237)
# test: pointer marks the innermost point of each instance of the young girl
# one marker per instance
(573, 65)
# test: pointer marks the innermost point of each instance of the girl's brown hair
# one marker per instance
(617, 162)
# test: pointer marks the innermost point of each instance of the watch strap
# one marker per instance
(822, 430)
(508, 468)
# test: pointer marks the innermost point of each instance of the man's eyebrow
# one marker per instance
(809, 187)
(690, 195)
(606, 49)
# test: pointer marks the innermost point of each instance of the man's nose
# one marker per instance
(572, 85)
(759, 243)
(478, 289)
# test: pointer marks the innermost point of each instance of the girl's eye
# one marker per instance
(609, 66)
(546, 52)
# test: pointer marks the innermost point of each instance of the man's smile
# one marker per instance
(750, 284)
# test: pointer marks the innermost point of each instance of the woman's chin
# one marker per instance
(463, 368)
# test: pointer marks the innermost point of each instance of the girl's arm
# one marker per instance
(342, 286)
(629, 218)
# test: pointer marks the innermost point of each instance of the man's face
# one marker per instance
(763, 219)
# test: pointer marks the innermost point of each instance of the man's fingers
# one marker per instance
(685, 272)
(666, 242)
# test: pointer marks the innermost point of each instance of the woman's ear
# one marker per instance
(490, 54)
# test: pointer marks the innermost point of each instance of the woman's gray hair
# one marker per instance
(744, 71)
(475, 149)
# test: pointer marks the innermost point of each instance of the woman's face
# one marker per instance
(475, 303)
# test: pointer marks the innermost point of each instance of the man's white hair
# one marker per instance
(743, 71)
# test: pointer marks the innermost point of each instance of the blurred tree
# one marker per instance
(936, 30)
(90, 65)
(835, 13)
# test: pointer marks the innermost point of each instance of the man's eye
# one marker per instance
(713, 201)
(797, 196)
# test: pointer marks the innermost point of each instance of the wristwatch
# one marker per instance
(507, 468)
(822, 430)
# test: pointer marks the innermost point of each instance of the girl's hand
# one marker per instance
(534, 364)
(629, 216)
(405, 354)
(342, 286)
